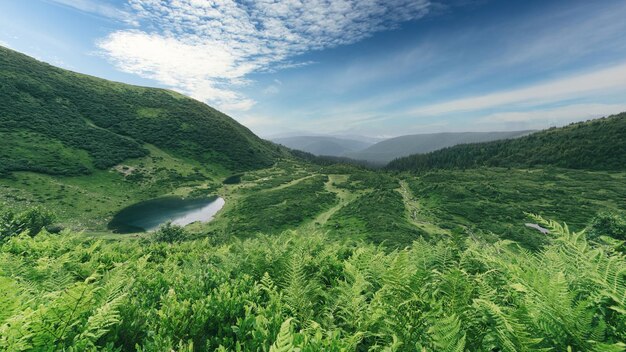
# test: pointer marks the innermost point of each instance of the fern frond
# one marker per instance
(299, 290)
(284, 340)
(447, 334)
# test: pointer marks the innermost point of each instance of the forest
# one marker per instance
(598, 144)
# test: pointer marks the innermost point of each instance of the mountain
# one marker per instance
(389, 149)
(357, 137)
(323, 145)
(598, 144)
(59, 122)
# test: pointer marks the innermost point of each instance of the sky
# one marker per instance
(378, 68)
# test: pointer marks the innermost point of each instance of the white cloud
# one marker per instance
(207, 48)
(582, 85)
(99, 8)
(272, 89)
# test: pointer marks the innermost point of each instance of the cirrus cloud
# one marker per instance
(207, 48)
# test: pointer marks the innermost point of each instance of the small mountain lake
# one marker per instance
(149, 215)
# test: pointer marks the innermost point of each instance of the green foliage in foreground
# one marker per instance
(30, 221)
(302, 291)
(598, 144)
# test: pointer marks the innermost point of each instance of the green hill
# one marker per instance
(389, 149)
(54, 121)
(598, 144)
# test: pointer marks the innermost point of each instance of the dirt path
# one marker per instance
(290, 183)
(414, 213)
(345, 197)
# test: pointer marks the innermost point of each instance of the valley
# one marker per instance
(137, 219)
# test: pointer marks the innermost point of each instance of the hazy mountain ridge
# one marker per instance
(389, 149)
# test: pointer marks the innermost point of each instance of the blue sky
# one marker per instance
(370, 67)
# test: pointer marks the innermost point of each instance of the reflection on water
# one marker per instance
(150, 214)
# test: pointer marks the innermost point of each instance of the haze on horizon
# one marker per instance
(377, 68)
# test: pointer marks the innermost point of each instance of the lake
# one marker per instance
(150, 214)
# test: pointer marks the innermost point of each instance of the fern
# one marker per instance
(447, 335)
(299, 290)
(112, 295)
(284, 340)
(337, 296)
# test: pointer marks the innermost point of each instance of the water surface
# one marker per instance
(150, 214)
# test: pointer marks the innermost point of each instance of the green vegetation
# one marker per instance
(30, 221)
(308, 253)
(302, 291)
(170, 233)
(62, 123)
(598, 144)
(608, 224)
(491, 200)
(377, 215)
(89, 201)
(281, 208)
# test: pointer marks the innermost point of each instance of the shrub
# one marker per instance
(31, 221)
(170, 233)
(608, 224)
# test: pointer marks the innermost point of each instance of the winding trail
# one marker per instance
(413, 211)
(344, 195)
(290, 183)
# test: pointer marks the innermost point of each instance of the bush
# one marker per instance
(31, 221)
(608, 224)
(170, 233)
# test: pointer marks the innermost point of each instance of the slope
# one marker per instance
(598, 144)
(387, 150)
(54, 121)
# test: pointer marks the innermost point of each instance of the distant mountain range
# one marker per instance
(393, 148)
(389, 149)
(323, 145)
(598, 144)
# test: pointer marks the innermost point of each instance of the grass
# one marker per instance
(89, 201)
(281, 208)
(346, 202)
(494, 200)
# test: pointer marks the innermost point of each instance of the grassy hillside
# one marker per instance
(598, 144)
(493, 201)
(389, 149)
(322, 145)
(59, 122)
